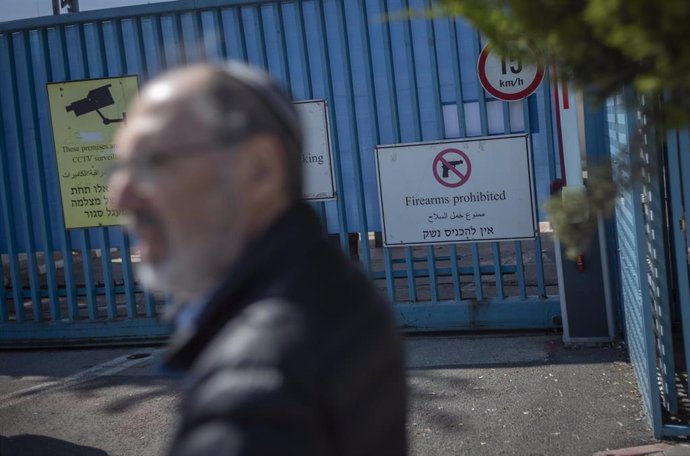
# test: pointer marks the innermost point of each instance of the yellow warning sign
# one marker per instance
(85, 116)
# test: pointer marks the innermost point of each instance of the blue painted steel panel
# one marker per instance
(679, 166)
(647, 244)
(385, 80)
(630, 244)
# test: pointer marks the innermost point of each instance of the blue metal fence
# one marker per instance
(627, 220)
(386, 81)
(653, 246)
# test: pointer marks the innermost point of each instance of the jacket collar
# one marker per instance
(296, 231)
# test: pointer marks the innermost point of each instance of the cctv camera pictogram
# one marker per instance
(95, 100)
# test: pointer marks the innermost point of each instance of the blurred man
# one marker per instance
(289, 349)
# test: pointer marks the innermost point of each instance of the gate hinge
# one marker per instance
(683, 224)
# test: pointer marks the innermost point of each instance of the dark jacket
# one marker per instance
(295, 354)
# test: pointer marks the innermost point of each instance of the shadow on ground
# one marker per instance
(40, 445)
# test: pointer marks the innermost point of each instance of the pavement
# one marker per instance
(502, 394)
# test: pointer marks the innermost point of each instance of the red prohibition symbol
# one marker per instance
(452, 168)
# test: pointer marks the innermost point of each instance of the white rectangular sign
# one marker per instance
(477, 189)
(317, 163)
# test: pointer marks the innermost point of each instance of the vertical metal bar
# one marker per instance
(128, 275)
(484, 122)
(262, 39)
(431, 30)
(307, 87)
(439, 133)
(86, 233)
(126, 251)
(416, 133)
(199, 33)
(676, 150)
(141, 51)
(476, 265)
(460, 107)
(124, 242)
(431, 262)
(498, 270)
(496, 246)
(243, 37)
(4, 314)
(306, 83)
(506, 116)
(103, 232)
(539, 261)
(88, 276)
(305, 62)
(390, 72)
(411, 278)
(70, 283)
(44, 225)
(390, 277)
(9, 225)
(409, 57)
(159, 42)
(119, 36)
(149, 303)
(520, 268)
(281, 32)
(457, 75)
(107, 264)
(102, 49)
(481, 98)
(23, 194)
(337, 167)
(453, 253)
(685, 174)
(179, 35)
(548, 122)
(387, 257)
(355, 141)
(220, 36)
(395, 124)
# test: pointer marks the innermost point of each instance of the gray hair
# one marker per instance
(239, 101)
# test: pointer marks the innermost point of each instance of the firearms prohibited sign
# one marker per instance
(447, 192)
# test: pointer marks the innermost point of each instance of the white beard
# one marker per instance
(195, 264)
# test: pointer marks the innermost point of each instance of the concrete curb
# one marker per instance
(658, 449)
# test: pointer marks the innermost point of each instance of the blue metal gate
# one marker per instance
(386, 81)
(653, 239)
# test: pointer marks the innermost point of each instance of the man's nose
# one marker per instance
(123, 192)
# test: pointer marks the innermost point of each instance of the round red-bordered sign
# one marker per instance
(492, 81)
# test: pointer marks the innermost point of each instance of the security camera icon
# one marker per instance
(95, 100)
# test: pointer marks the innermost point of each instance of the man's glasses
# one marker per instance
(148, 166)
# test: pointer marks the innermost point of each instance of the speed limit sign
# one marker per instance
(505, 78)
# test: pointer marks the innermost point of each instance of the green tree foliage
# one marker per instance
(601, 45)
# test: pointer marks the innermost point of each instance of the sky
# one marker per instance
(11, 10)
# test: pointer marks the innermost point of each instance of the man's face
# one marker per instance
(183, 193)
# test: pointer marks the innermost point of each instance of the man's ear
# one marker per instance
(265, 163)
